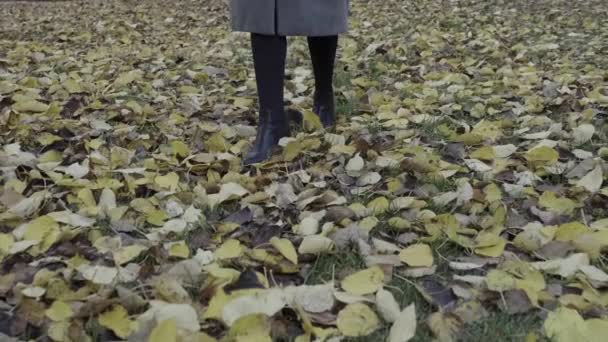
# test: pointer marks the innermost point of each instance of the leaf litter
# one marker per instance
(125, 213)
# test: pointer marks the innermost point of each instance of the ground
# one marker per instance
(465, 176)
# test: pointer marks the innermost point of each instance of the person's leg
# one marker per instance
(323, 56)
(269, 54)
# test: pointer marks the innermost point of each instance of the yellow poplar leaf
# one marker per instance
(559, 205)
(469, 138)
(368, 223)
(492, 251)
(343, 149)
(168, 181)
(58, 331)
(570, 231)
(404, 327)
(242, 102)
(179, 249)
(72, 86)
(364, 282)
(285, 247)
(592, 243)
(418, 255)
(220, 299)
(500, 281)
(444, 326)
(492, 192)
(117, 320)
(565, 325)
(199, 337)
(251, 328)
(30, 106)
(592, 181)
(379, 205)
(156, 217)
(490, 245)
(87, 197)
(46, 139)
(315, 244)
(597, 329)
(387, 306)
(356, 320)
(165, 331)
(230, 249)
(216, 143)
(225, 274)
(484, 153)
(542, 155)
(179, 148)
(303, 338)
(6, 242)
(311, 121)
(142, 205)
(59, 311)
(126, 254)
(292, 150)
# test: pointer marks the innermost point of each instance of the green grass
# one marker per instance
(430, 129)
(499, 326)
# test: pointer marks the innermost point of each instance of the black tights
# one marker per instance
(269, 52)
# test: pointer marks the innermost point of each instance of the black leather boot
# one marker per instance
(269, 133)
(269, 54)
(326, 110)
(323, 56)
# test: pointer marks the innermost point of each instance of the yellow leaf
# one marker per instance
(565, 325)
(30, 106)
(492, 192)
(59, 311)
(168, 181)
(315, 244)
(570, 231)
(490, 245)
(285, 247)
(156, 217)
(469, 139)
(58, 331)
(251, 328)
(179, 148)
(292, 150)
(364, 282)
(445, 326)
(550, 201)
(170, 290)
(6, 242)
(230, 249)
(216, 143)
(378, 206)
(243, 102)
(542, 155)
(592, 181)
(165, 331)
(418, 255)
(597, 329)
(500, 281)
(178, 249)
(484, 153)
(126, 254)
(356, 320)
(220, 299)
(118, 321)
(404, 327)
(311, 121)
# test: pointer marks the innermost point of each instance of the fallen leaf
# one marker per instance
(356, 320)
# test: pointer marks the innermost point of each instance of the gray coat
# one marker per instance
(294, 17)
